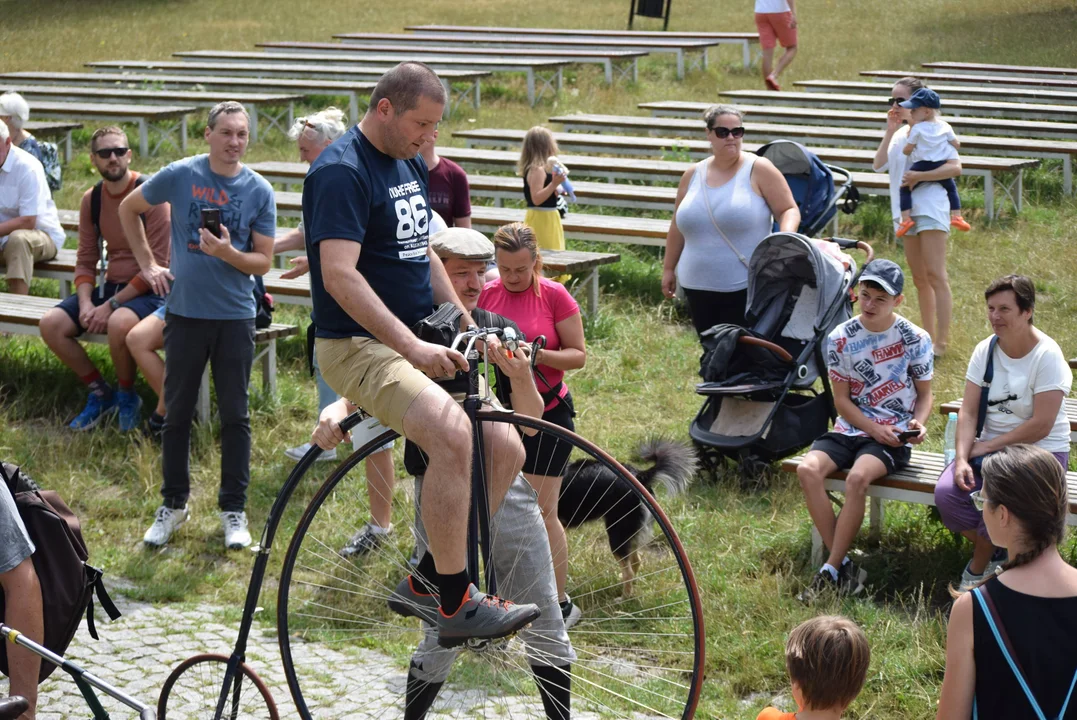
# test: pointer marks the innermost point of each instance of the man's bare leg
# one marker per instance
(24, 613)
(380, 481)
(866, 470)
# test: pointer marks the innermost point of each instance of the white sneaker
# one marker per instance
(164, 524)
(297, 453)
(236, 536)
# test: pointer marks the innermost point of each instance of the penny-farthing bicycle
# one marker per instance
(639, 647)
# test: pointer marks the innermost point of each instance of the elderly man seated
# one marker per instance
(30, 228)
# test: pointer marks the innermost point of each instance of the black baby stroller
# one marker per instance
(759, 382)
(817, 187)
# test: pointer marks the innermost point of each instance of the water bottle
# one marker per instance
(566, 184)
(949, 451)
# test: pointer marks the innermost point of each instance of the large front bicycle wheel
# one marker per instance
(636, 652)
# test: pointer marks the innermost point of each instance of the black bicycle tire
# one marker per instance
(244, 669)
(511, 418)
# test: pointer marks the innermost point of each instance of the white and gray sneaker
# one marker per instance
(297, 453)
(164, 524)
(236, 536)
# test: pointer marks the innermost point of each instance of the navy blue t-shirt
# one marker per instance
(353, 191)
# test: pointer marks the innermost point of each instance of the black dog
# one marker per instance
(590, 491)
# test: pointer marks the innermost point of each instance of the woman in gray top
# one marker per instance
(725, 207)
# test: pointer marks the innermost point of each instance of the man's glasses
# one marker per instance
(106, 153)
(723, 132)
(978, 500)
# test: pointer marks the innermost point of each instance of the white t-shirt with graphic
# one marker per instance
(932, 140)
(1016, 382)
(880, 369)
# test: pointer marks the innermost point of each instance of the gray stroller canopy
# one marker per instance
(786, 263)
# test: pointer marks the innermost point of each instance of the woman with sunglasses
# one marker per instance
(1030, 378)
(725, 206)
(925, 241)
(1009, 646)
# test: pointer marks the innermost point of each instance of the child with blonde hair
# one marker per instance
(827, 660)
(543, 174)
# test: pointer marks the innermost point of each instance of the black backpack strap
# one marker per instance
(94, 579)
(985, 386)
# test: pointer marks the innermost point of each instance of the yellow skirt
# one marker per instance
(547, 227)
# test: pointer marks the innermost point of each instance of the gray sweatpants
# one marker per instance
(524, 567)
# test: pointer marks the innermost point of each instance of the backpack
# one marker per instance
(95, 218)
(68, 584)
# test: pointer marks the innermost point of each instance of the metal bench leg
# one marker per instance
(531, 87)
(875, 522)
(592, 292)
(269, 369)
(65, 289)
(353, 106)
(746, 54)
(201, 407)
(607, 66)
(143, 137)
(252, 110)
(183, 134)
(1067, 175)
(680, 63)
(67, 147)
(989, 196)
(477, 95)
(816, 548)
(1020, 190)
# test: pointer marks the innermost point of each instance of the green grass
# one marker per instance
(749, 549)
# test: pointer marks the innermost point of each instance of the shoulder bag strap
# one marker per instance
(702, 170)
(1003, 639)
(985, 386)
(95, 218)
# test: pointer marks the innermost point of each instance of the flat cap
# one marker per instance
(462, 243)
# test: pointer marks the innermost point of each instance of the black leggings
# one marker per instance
(709, 308)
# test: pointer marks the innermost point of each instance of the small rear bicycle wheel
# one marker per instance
(194, 687)
(636, 652)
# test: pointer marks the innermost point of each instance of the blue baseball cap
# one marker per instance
(924, 97)
(885, 273)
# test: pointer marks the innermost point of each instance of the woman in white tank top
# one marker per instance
(725, 207)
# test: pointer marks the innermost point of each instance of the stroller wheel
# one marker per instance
(710, 461)
(754, 473)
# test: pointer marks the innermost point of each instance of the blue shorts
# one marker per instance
(159, 313)
(141, 306)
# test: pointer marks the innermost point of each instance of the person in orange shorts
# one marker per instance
(827, 660)
(776, 21)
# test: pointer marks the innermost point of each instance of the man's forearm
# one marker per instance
(250, 263)
(292, 241)
(354, 294)
(136, 237)
(23, 222)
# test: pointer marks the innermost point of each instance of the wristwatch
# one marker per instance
(114, 304)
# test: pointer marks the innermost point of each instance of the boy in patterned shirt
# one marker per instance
(880, 366)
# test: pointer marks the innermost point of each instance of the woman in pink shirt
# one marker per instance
(540, 306)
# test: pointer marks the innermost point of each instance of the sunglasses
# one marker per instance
(894, 101)
(723, 132)
(106, 153)
(978, 500)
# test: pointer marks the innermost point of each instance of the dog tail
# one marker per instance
(674, 464)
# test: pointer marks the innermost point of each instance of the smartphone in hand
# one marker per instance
(211, 220)
(908, 435)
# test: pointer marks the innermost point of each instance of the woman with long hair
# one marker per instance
(542, 183)
(1010, 643)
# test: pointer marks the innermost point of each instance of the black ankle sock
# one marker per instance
(420, 696)
(453, 590)
(425, 575)
(554, 684)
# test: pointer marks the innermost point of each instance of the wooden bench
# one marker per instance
(1070, 404)
(624, 61)
(983, 115)
(915, 483)
(21, 314)
(58, 130)
(964, 92)
(862, 137)
(524, 38)
(316, 72)
(969, 79)
(141, 115)
(993, 69)
(875, 183)
(740, 39)
(546, 72)
(253, 102)
(839, 118)
(296, 291)
(152, 81)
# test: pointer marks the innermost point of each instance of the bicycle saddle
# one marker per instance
(12, 707)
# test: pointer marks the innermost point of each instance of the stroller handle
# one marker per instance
(849, 244)
(778, 350)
